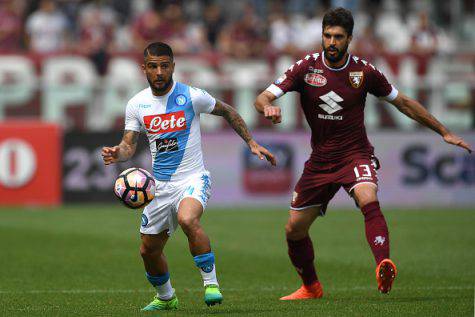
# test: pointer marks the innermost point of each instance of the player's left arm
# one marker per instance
(414, 110)
(237, 123)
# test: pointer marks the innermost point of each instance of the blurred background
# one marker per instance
(68, 68)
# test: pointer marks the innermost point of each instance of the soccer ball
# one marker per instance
(135, 187)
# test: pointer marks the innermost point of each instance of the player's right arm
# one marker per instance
(126, 148)
(290, 81)
(264, 106)
(122, 152)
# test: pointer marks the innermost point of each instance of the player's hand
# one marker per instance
(273, 113)
(454, 139)
(262, 152)
(110, 155)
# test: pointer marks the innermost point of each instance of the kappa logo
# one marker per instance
(379, 240)
(315, 70)
(314, 79)
(331, 100)
(356, 79)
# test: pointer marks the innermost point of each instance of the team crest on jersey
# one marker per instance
(280, 79)
(180, 100)
(316, 80)
(356, 79)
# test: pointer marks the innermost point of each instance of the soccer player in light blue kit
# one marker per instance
(169, 112)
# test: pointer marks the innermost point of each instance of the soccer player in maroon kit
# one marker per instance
(333, 85)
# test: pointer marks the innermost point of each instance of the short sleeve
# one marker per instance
(202, 101)
(132, 121)
(291, 80)
(379, 86)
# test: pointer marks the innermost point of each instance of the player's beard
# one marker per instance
(339, 56)
(160, 90)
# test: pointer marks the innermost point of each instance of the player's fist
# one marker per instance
(273, 113)
(454, 139)
(110, 154)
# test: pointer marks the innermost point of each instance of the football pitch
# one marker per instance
(84, 261)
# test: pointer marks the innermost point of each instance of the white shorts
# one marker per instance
(161, 213)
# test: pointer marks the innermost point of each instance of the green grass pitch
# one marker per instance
(84, 261)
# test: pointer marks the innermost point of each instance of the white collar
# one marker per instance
(336, 69)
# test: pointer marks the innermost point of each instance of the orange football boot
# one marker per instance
(306, 292)
(385, 274)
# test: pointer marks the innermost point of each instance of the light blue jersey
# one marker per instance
(172, 124)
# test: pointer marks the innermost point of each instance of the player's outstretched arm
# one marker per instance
(236, 121)
(123, 151)
(414, 110)
(263, 104)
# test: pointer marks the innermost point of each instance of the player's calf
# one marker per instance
(377, 233)
(301, 255)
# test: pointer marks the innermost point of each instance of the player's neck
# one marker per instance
(160, 93)
(338, 64)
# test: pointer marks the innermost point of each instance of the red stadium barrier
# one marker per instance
(30, 163)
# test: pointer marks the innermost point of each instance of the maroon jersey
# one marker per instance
(333, 101)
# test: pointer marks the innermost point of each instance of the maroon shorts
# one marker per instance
(320, 182)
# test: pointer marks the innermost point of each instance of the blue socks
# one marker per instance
(158, 280)
(205, 262)
(162, 284)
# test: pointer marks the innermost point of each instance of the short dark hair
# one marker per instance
(339, 17)
(158, 49)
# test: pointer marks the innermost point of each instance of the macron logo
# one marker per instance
(167, 122)
(331, 100)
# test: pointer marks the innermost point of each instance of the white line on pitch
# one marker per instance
(266, 289)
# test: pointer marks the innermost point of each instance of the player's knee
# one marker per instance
(294, 232)
(366, 200)
(146, 251)
(364, 195)
(189, 224)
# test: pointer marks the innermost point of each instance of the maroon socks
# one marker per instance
(302, 256)
(301, 251)
(376, 231)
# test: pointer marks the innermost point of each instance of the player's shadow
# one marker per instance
(218, 312)
(393, 299)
